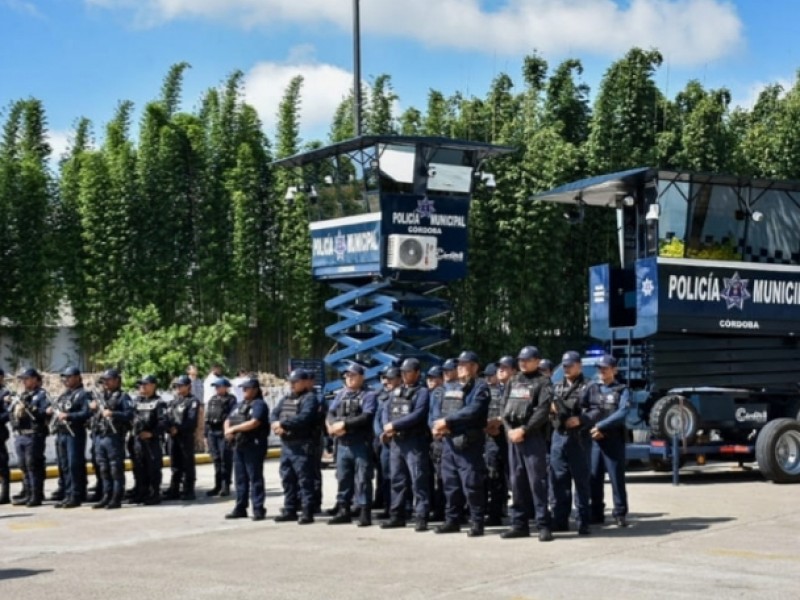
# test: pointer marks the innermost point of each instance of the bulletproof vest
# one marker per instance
(146, 416)
(22, 417)
(215, 409)
(402, 402)
(497, 403)
(520, 400)
(113, 402)
(568, 394)
(245, 411)
(350, 404)
(609, 400)
(178, 408)
(453, 399)
(290, 406)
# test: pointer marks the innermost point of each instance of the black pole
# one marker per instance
(357, 67)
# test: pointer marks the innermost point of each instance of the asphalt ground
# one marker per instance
(723, 533)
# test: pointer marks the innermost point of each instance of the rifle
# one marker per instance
(54, 422)
(101, 406)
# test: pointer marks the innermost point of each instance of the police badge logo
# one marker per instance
(340, 246)
(735, 292)
(425, 208)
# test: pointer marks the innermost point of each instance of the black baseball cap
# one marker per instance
(529, 352)
(410, 364)
(147, 379)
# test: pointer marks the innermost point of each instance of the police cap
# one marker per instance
(109, 374)
(546, 364)
(295, 376)
(507, 361)
(70, 372)
(28, 373)
(450, 364)
(391, 373)
(354, 368)
(490, 370)
(148, 379)
(221, 382)
(410, 364)
(607, 361)
(570, 358)
(182, 380)
(468, 356)
(529, 352)
(252, 383)
(435, 372)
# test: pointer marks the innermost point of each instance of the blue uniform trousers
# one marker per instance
(570, 455)
(147, 464)
(222, 456)
(71, 453)
(297, 476)
(354, 473)
(111, 462)
(608, 456)
(496, 455)
(463, 476)
(248, 465)
(528, 468)
(409, 464)
(30, 456)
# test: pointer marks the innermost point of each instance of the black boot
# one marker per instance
(171, 493)
(57, 495)
(4, 492)
(226, 489)
(153, 498)
(344, 516)
(23, 495)
(188, 493)
(365, 518)
(116, 501)
(217, 486)
(35, 499)
(103, 502)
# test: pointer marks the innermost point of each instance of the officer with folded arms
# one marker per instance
(527, 419)
(608, 447)
(149, 424)
(114, 420)
(572, 416)
(461, 423)
(349, 422)
(294, 420)
(406, 428)
(218, 408)
(247, 428)
(69, 415)
(29, 420)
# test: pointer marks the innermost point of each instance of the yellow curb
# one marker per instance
(199, 459)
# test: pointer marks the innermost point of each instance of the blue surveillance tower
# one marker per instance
(389, 227)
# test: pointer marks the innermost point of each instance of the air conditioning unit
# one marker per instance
(412, 252)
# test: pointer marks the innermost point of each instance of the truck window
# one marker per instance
(776, 238)
(716, 226)
(674, 206)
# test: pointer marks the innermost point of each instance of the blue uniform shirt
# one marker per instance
(475, 410)
(616, 419)
(80, 412)
(435, 409)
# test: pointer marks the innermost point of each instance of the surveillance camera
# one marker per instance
(431, 172)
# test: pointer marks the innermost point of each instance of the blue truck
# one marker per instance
(702, 312)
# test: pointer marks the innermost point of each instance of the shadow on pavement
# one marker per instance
(698, 477)
(657, 526)
(16, 516)
(18, 573)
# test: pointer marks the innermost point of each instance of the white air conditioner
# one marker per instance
(412, 252)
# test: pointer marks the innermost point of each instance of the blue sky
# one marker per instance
(81, 57)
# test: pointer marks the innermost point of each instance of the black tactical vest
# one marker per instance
(215, 410)
(178, 409)
(520, 401)
(146, 415)
(350, 404)
(453, 399)
(290, 406)
(113, 402)
(609, 400)
(402, 402)
(569, 394)
(497, 403)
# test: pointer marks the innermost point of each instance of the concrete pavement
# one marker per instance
(723, 532)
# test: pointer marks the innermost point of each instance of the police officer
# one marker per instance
(5, 472)
(571, 416)
(294, 420)
(391, 381)
(526, 418)
(496, 453)
(350, 418)
(406, 418)
(182, 413)
(247, 428)
(149, 424)
(435, 382)
(608, 447)
(461, 422)
(29, 420)
(69, 415)
(218, 407)
(114, 419)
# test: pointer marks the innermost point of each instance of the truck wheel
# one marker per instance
(674, 415)
(778, 451)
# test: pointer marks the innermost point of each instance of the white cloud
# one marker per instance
(324, 88)
(688, 32)
(60, 142)
(747, 96)
(23, 6)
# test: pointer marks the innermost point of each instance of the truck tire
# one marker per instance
(673, 415)
(778, 451)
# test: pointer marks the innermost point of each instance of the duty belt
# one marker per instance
(26, 431)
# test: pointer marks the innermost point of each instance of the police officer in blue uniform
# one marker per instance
(608, 447)
(391, 381)
(406, 418)
(496, 453)
(435, 382)
(218, 408)
(182, 413)
(114, 420)
(5, 472)
(526, 418)
(462, 423)
(69, 415)
(247, 428)
(572, 416)
(29, 420)
(294, 420)
(350, 419)
(149, 425)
